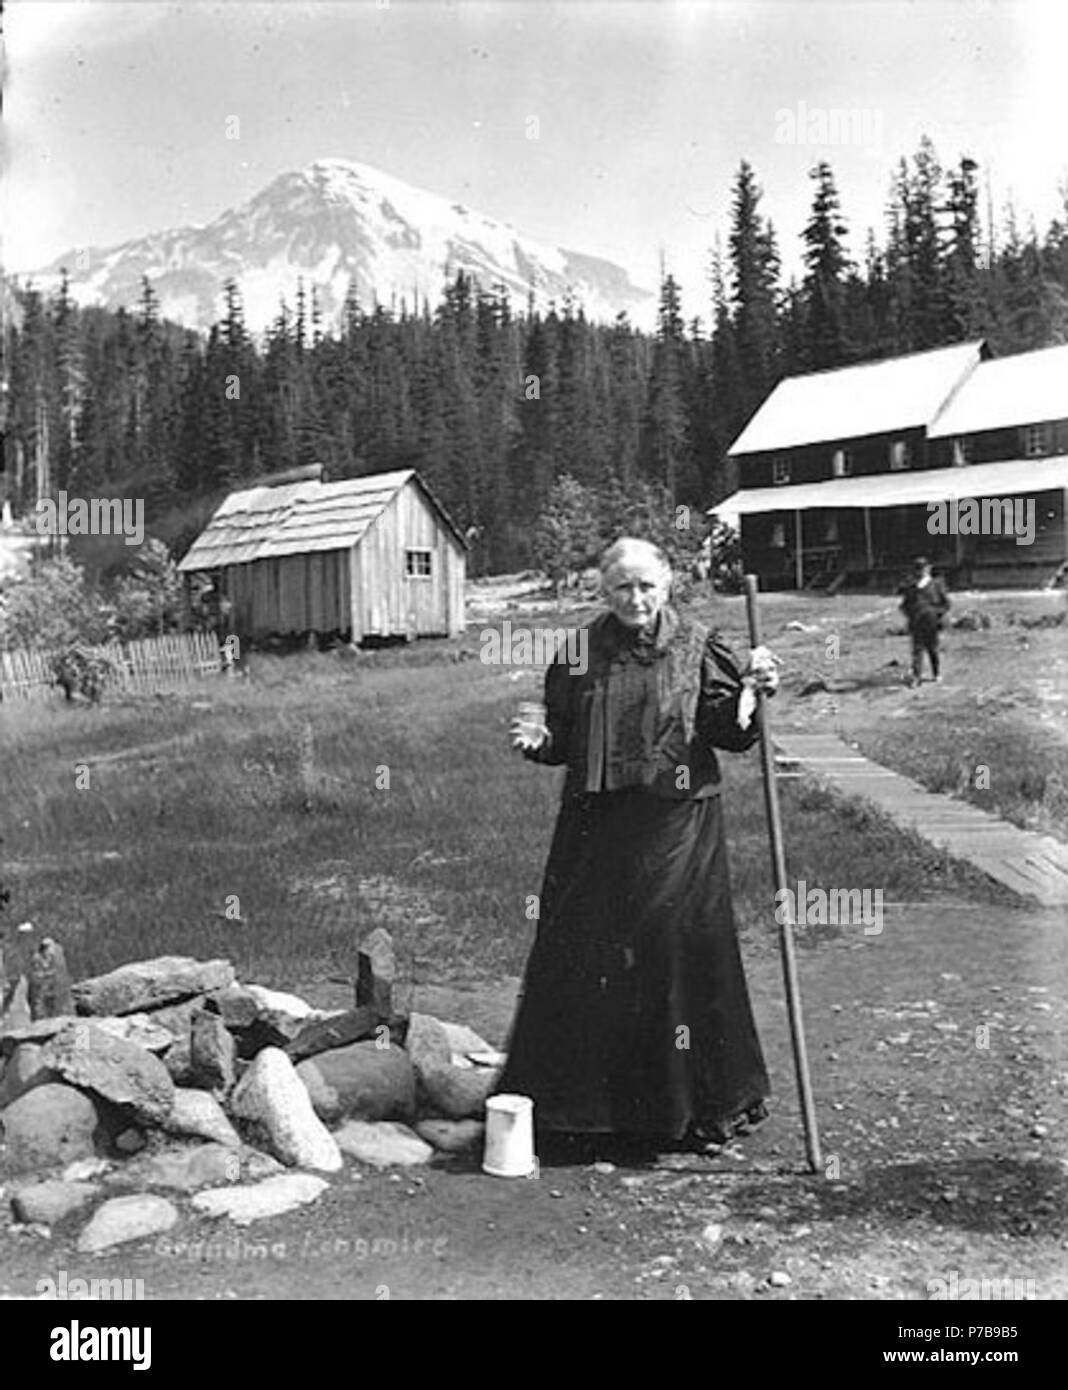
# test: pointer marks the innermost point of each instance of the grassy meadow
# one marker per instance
(147, 826)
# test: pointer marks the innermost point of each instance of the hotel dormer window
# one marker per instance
(962, 451)
(841, 463)
(899, 455)
(780, 468)
(1036, 440)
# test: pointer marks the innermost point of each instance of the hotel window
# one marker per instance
(1036, 440)
(841, 463)
(417, 564)
(962, 451)
(780, 468)
(899, 455)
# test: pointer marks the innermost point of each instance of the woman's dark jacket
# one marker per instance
(646, 712)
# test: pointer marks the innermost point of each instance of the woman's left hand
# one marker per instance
(762, 671)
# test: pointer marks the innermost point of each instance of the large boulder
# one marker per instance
(212, 1054)
(146, 984)
(280, 1020)
(323, 1034)
(383, 1145)
(119, 1071)
(458, 1093)
(38, 1031)
(427, 1044)
(48, 1126)
(126, 1218)
(363, 1080)
(50, 1202)
(199, 1115)
(451, 1136)
(271, 1197)
(24, 1069)
(272, 1099)
(137, 1028)
(182, 1169)
(236, 1006)
(178, 1018)
(376, 972)
(179, 1062)
(465, 1042)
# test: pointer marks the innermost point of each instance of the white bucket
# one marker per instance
(509, 1151)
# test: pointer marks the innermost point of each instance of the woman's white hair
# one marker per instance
(630, 548)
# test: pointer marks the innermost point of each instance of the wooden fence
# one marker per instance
(139, 666)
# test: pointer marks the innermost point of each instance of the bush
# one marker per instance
(53, 608)
(579, 522)
(567, 535)
(150, 599)
(83, 671)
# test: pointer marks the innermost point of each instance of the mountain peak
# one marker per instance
(340, 226)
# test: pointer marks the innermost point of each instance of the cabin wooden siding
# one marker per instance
(362, 590)
(386, 600)
(295, 593)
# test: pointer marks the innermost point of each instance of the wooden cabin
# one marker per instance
(376, 556)
(847, 474)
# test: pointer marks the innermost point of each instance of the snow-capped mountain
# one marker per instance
(334, 225)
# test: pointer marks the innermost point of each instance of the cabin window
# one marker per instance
(780, 468)
(1036, 440)
(417, 564)
(899, 455)
(841, 463)
(962, 451)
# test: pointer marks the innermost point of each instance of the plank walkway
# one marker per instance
(1034, 866)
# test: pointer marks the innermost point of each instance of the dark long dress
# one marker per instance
(635, 1016)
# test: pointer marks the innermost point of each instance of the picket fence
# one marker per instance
(141, 666)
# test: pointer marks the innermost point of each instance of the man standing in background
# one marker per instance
(924, 603)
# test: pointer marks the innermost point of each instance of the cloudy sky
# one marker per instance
(116, 113)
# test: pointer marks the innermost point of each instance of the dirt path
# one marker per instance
(948, 1153)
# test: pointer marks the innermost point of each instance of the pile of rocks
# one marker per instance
(168, 1075)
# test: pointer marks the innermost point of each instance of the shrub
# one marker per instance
(150, 599)
(53, 608)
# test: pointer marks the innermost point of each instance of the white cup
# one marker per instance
(509, 1151)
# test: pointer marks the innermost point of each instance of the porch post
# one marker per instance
(799, 559)
(867, 540)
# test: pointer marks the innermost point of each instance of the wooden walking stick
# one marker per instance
(785, 899)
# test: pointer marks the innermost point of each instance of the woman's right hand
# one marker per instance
(528, 735)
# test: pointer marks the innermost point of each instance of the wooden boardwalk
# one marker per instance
(1035, 866)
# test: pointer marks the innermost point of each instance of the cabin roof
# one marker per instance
(259, 523)
(868, 398)
(1017, 476)
(1027, 388)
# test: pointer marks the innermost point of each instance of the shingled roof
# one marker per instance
(266, 522)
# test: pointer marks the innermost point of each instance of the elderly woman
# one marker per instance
(635, 1018)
